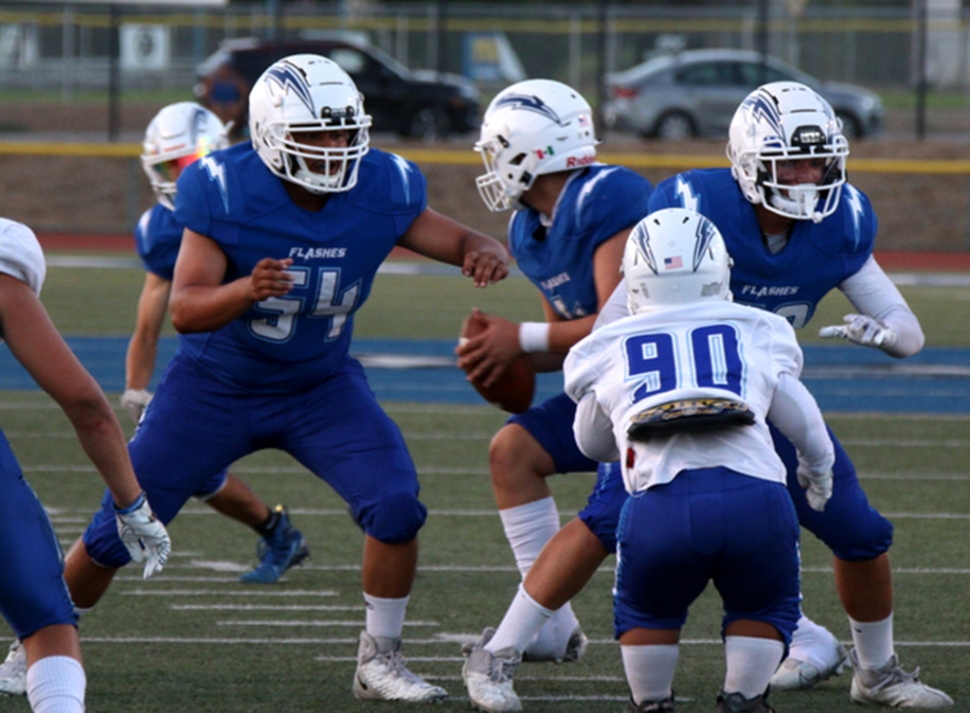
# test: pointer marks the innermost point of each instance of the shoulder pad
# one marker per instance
(21, 255)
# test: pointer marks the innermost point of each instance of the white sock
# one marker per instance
(528, 528)
(525, 616)
(751, 662)
(55, 684)
(650, 670)
(813, 644)
(873, 641)
(384, 617)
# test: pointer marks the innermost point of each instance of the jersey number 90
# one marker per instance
(714, 361)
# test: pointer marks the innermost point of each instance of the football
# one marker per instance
(515, 388)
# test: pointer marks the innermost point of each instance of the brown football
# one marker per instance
(515, 388)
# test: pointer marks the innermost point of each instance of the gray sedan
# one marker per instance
(696, 92)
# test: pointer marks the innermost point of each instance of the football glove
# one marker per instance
(860, 329)
(134, 402)
(818, 486)
(144, 535)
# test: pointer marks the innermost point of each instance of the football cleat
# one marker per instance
(795, 674)
(282, 549)
(488, 676)
(664, 706)
(13, 671)
(383, 676)
(736, 703)
(892, 687)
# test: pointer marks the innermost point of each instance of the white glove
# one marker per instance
(144, 535)
(818, 486)
(134, 402)
(862, 330)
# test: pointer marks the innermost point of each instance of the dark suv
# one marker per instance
(421, 104)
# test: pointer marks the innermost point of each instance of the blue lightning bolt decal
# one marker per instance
(217, 173)
(762, 107)
(528, 102)
(405, 170)
(587, 190)
(705, 234)
(855, 202)
(641, 236)
(285, 76)
(688, 199)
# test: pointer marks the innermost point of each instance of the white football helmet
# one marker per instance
(308, 94)
(179, 135)
(675, 256)
(785, 121)
(532, 128)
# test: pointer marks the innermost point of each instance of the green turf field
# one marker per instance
(193, 639)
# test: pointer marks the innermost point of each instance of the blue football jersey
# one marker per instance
(157, 240)
(596, 204)
(791, 283)
(289, 342)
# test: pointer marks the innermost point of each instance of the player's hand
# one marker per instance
(818, 486)
(860, 329)
(486, 356)
(485, 267)
(134, 401)
(144, 535)
(270, 279)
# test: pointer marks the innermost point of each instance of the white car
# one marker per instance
(696, 92)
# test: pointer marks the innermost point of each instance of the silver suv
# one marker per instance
(696, 92)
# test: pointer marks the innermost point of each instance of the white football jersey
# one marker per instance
(699, 350)
(21, 255)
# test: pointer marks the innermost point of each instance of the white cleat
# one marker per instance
(488, 677)
(797, 675)
(13, 671)
(382, 674)
(892, 687)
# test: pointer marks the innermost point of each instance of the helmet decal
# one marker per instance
(763, 106)
(528, 103)
(285, 75)
(705, 234)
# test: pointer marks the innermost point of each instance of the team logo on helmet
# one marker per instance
(641, 237)
(529, 102)
(763, 108)
(286, 76)
(705, 234)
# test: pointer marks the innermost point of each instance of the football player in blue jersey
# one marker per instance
(33, 597)
(567, 234)
(283, 238)
(795, 230)
(177, 136)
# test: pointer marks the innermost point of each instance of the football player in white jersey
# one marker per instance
(670, 393)
(34, 599)
(572, 215)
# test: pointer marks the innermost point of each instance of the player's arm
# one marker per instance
(593, 430)
(201, 303)
(481, 257)
(143, 345)
(884, 319)
(486, 356)
(36, 344)
(795, 413)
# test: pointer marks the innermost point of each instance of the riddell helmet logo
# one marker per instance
(573, 162)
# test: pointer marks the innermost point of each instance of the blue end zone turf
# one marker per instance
(843, 378)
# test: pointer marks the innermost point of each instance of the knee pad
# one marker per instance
(394, 519)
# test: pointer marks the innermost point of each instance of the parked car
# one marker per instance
(696, 92)
(422, 104)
